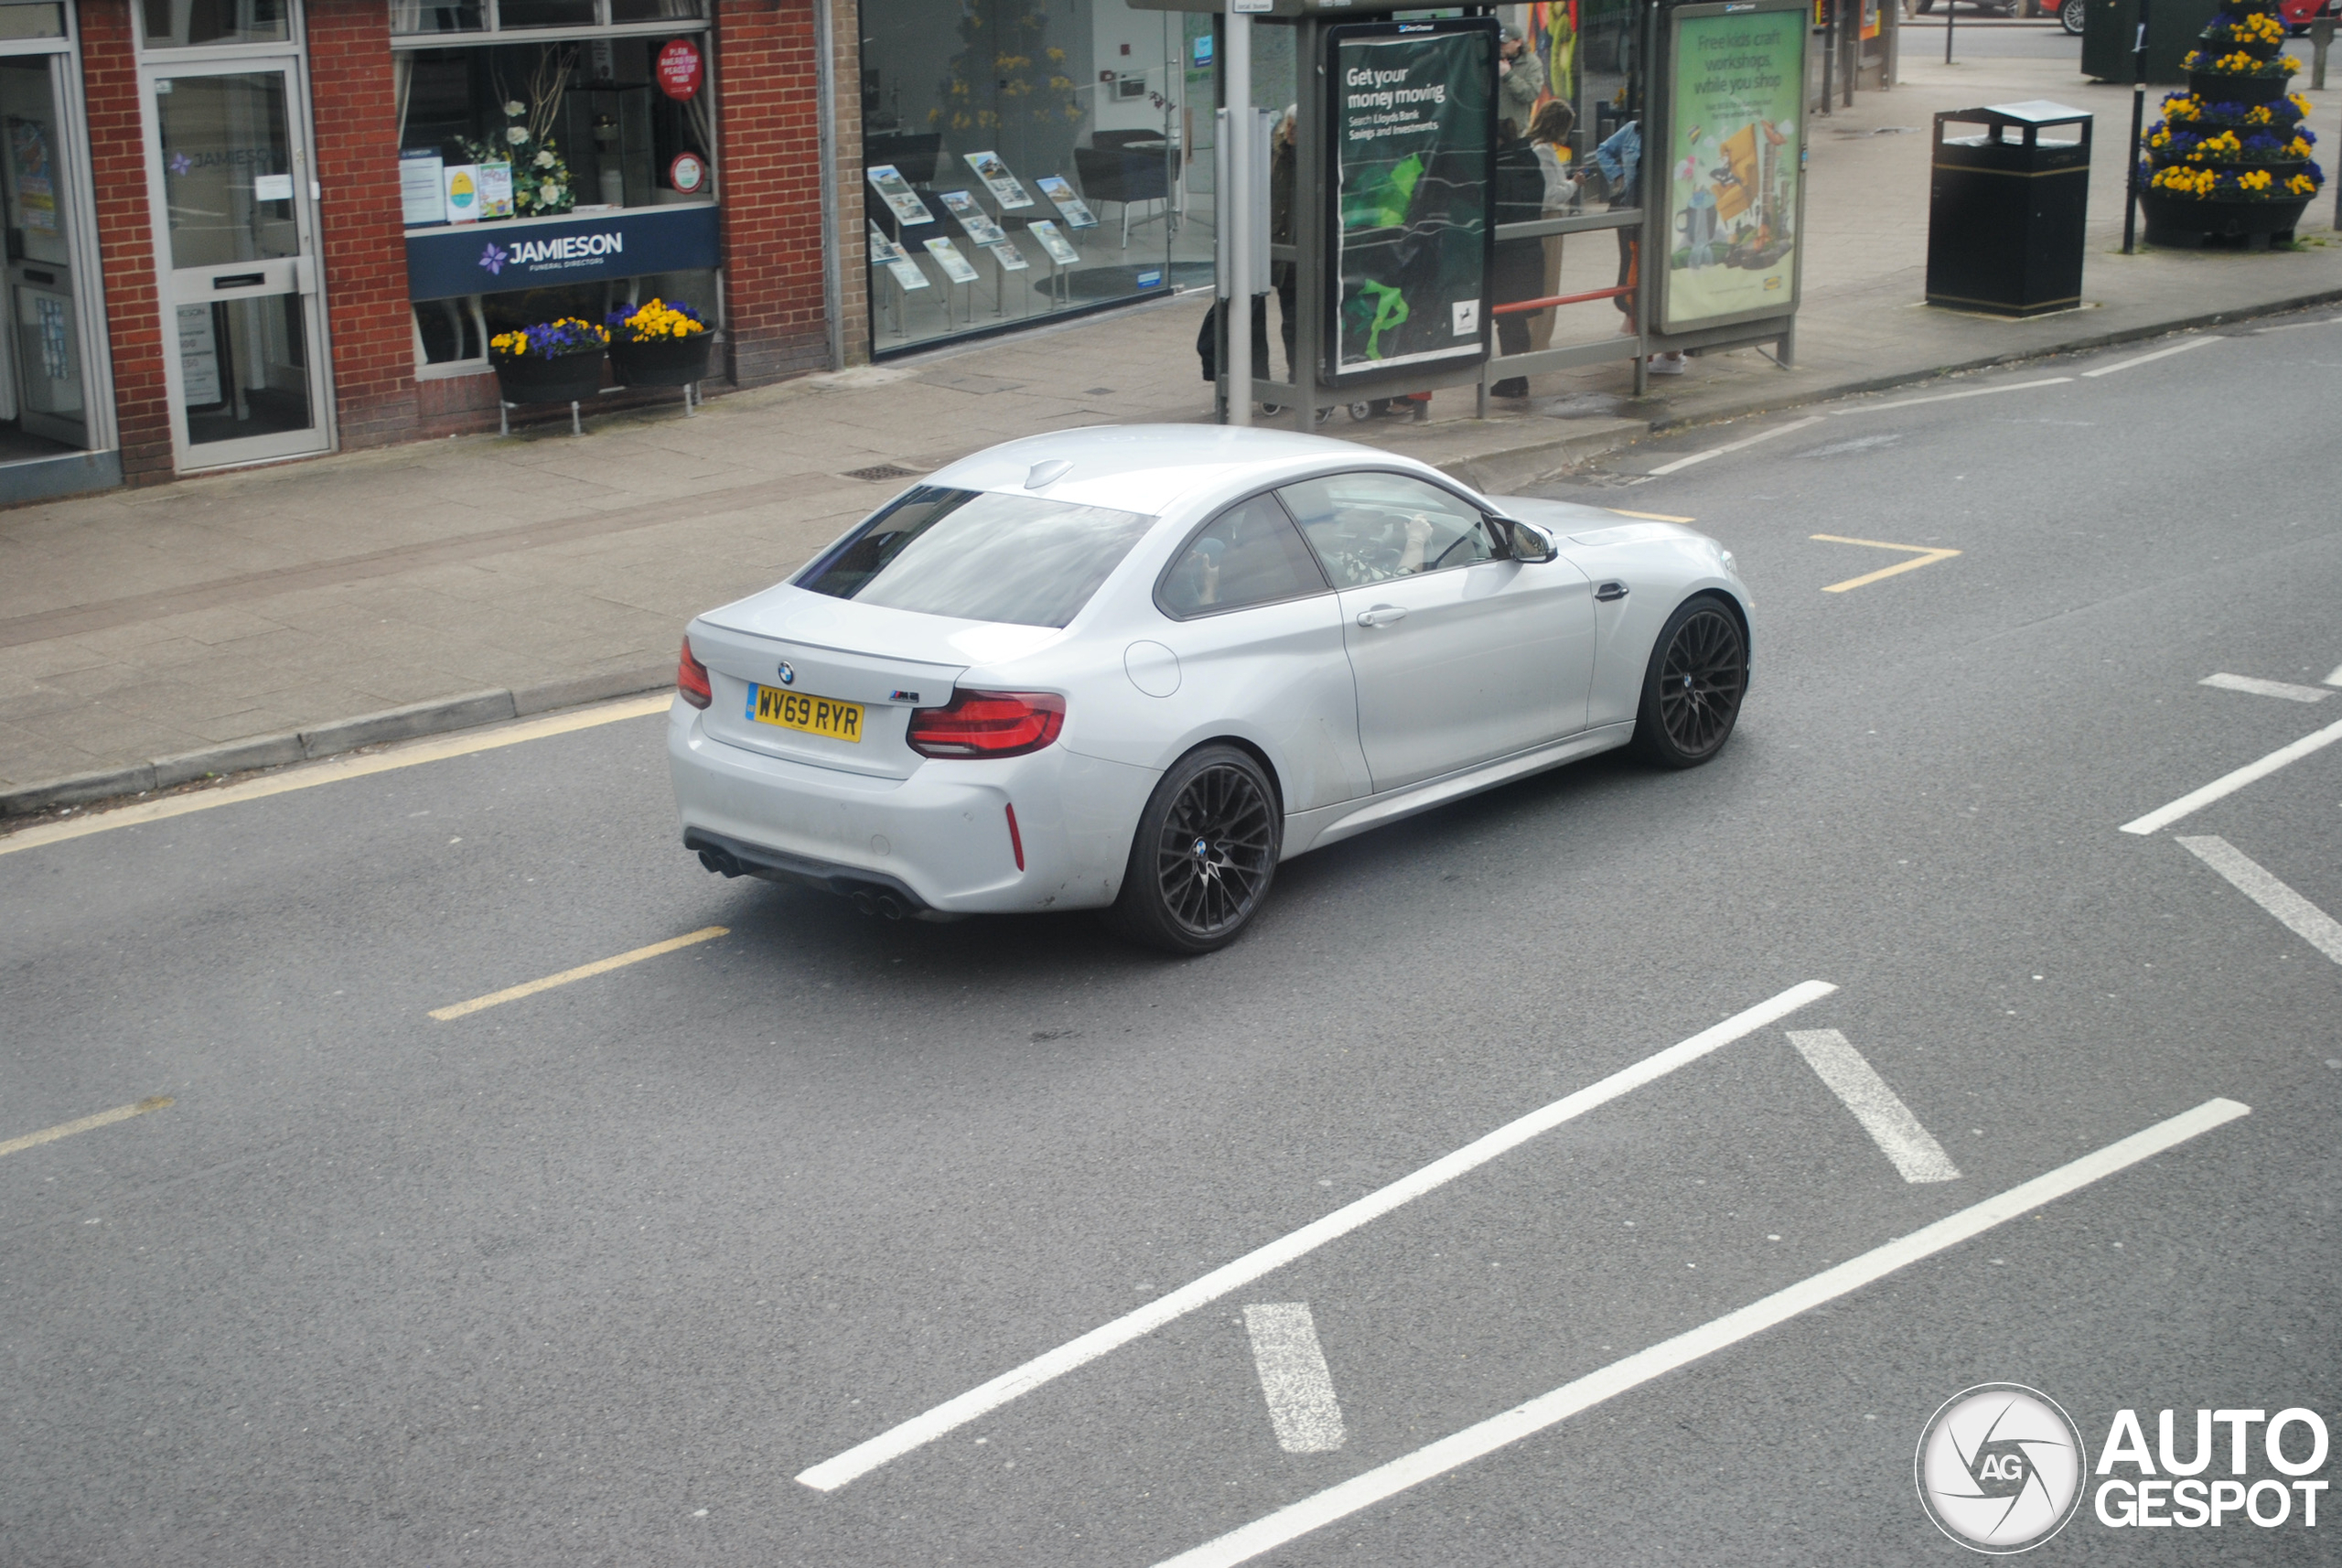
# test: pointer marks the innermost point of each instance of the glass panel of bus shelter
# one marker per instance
(1021, 161)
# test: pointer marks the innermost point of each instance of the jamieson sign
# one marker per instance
(496, 258)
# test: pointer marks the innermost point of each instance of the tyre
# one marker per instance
(1691, 691)
(1204, 856)
(1361, 412)
(2071, 14)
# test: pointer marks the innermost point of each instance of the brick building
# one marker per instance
(247, 230)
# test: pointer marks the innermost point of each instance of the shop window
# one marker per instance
(1023, 161)
(411, 17)
(189, 24)
(34, 21)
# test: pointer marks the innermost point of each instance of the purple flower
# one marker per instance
(181, 163)
(493, 260)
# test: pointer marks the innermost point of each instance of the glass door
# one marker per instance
(248, 370)
(41, 393)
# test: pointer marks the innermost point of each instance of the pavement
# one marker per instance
(590, 1274)
(154, 638)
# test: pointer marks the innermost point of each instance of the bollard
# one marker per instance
(2321, 38)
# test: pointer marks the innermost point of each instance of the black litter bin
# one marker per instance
(2005, 210)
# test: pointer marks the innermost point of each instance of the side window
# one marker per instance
(1249, 555)
(1369, 528)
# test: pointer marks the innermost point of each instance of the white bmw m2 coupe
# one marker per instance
(1134, 668)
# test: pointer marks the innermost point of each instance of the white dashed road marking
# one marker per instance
(1953, 397)
(87, 1123)
(1733, 446)
(1884, 1116)
(920, 1430)
(2228, 784)
(2335, 679)
(2261, 688)
(1300, 1390)
(2297, 914)
(2148, 358)
(1361, 1492)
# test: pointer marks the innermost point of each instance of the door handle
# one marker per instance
(1608, 592)
(1382, 614)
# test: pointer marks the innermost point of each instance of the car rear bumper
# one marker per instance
(938, 840)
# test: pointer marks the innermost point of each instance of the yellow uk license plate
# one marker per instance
(798, 711)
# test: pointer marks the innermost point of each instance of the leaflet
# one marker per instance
(884, 251)
(999, 181)
(1010, 258)
(1059, 248)
(907, 273)
(1069, 205)
(947, 256)
(980, 228)
(896, 192)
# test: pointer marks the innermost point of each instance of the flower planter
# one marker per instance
(2188, 220)
(2220, 87)
(568, 378)
(662, 362)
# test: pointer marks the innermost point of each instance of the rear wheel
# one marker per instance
(1205, 853)
(1691, 690)
(2071, 14)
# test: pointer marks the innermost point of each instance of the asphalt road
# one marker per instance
(588, 1276)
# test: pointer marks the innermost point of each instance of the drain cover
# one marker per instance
(882, 471)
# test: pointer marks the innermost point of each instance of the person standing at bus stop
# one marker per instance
(1549, 135)
(1521, 81)
(1620, 161)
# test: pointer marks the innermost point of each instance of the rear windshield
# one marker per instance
(979, 556)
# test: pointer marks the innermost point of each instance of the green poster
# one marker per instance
(1736, 135)
(1413, 132)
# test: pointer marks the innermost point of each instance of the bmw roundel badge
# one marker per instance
(788, 675)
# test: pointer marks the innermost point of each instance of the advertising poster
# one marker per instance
(1059, 248)
(422, 190)
(1010, 258)
(947, 256)
(1735, 131)
(1003, 185)
(1070, 206)
(905, 272)
(896, 193)
(496, 191)
(1553, 36)
(884, 251)
(463, 193)
(199, 356)
(970, 217)
(1414, 134)
(36, 187)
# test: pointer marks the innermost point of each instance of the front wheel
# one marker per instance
(2071, 14)
(1205, 853)
(1691, 691)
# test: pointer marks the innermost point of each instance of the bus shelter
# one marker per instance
(1382, 244)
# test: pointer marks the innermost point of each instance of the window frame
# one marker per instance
(1179, 554)
(491, 28)
(1502, 538)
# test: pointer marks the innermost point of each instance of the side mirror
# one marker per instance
(1529, 543)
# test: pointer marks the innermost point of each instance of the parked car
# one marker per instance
(1135, 668)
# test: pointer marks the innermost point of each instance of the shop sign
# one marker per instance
(1413, 132)
(680, 71)
(687, 174)
(499, 258)
(1734, 121)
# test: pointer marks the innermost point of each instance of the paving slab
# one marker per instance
(148, 635)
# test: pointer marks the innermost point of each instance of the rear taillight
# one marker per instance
(988, 723)
(691, 679)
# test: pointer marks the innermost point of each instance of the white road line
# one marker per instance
(2298, 326)
(67, 1129)
(1953, 397)
(2148, 358)
(333, 771)
(1361, 1492)
(2261, 688)
(2335, 679)
(583, 971)
(2228, 784)
(1291, 1364)
(897, 1441)
(1884, 1116)
(2304, 918)
(1734, 446)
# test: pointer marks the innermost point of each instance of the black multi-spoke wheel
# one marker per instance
(1204, 856)
(1699, 669)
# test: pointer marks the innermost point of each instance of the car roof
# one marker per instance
(1149, 468)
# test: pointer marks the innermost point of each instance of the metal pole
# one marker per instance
(1951, 7)
(1854, 50)
(1236, 210)
(2138, 121)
